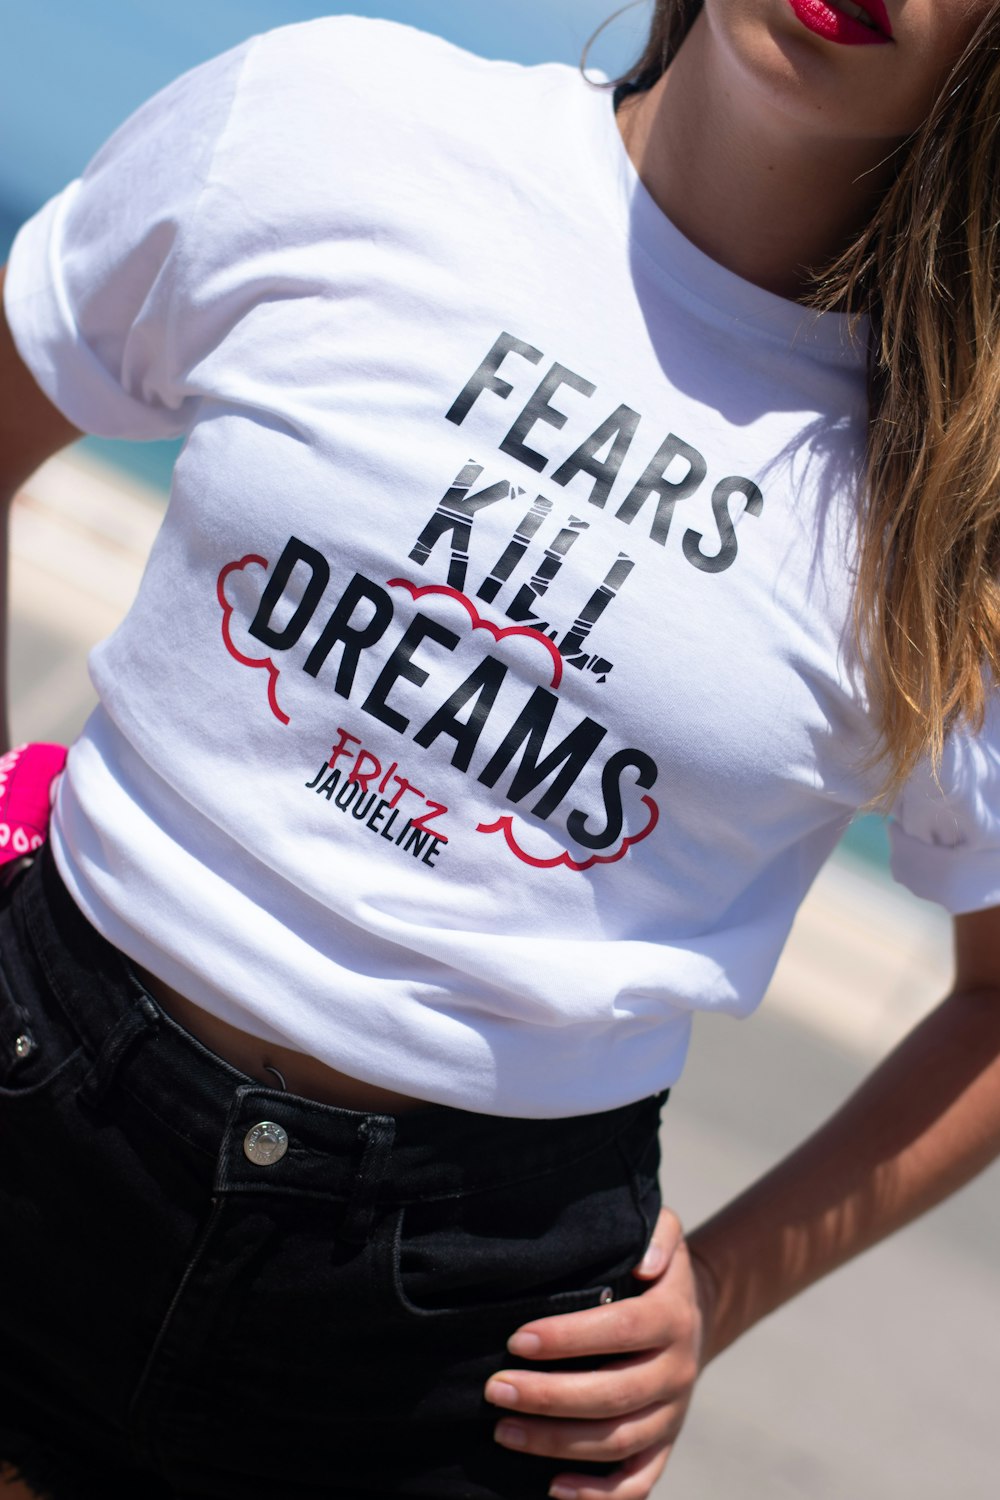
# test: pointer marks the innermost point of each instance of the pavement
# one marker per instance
(882, 1383)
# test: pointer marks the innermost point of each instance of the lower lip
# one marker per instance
(833, 26)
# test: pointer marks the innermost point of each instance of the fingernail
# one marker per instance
(502, 1394)
(512, 1435)
(525, 1344)
(653, 1261)
(561, 1491)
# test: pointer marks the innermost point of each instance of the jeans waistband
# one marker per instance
(130, 1043)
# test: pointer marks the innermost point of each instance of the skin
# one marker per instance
(15, 1489)
(751, 115)
(756, 110)
(30, 431)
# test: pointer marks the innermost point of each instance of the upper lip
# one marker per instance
(876, 10)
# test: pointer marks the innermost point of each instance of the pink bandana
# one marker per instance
(27, 789)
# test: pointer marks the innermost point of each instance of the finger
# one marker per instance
(590, 1442)
(667, 1235)
(633, 1481)
(652, 1320)
(613, 1391)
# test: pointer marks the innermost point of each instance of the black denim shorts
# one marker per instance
(214, 1289)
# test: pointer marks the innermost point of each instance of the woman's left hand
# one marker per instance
(630, 1410)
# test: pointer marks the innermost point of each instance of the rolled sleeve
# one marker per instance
(945, 832)
(96, 283)
(55, 348)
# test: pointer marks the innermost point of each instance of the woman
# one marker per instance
(489, 703)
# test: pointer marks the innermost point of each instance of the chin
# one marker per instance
(823, 91)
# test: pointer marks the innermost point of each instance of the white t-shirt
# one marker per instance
(488, 705)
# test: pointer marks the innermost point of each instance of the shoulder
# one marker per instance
(366, 51)
(297, 86)
(387, 70)
(340, 117)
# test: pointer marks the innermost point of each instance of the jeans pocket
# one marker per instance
(39, 1048)
(562, 1241)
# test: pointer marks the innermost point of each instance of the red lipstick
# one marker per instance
(837, 26)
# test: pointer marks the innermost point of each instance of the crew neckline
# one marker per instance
(723, 296)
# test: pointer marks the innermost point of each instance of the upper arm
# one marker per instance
(977, 950)
(31, 428)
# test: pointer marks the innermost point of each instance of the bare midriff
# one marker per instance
(302, 1074)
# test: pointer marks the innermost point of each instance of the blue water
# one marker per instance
(8, 225)
(70, 73)
(868, 839)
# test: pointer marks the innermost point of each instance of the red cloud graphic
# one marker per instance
(498, 632)
(505, 825)
(227, 615)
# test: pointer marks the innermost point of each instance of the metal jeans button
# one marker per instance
(607, 1295)
(24, 1044)
(265, 1143)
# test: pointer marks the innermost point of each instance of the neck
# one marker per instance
(733, 176)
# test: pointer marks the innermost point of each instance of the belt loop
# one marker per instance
(141, 1019)
(376, 1134)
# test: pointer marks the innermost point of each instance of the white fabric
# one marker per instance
(629, 535)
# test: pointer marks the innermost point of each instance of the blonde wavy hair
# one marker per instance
(926, 272)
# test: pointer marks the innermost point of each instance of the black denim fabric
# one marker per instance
(177, 1320)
